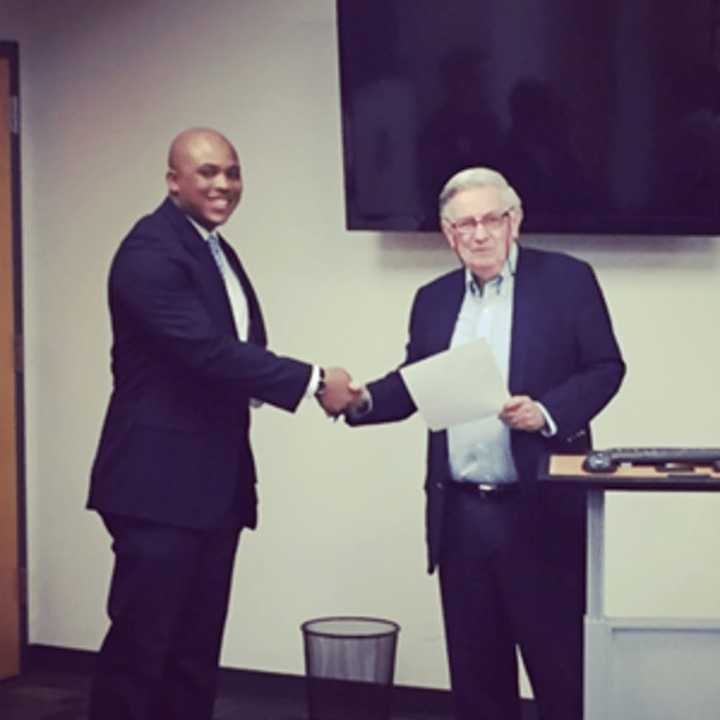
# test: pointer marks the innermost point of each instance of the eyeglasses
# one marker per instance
(466, 228)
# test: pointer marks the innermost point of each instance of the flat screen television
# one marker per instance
(603, 114)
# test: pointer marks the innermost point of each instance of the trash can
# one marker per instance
(349, 667)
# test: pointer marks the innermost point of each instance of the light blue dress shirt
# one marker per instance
(479, 451)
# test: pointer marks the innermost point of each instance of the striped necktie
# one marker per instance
(235, 293)
(217, 253)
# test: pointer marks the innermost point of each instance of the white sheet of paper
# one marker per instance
(457, 385)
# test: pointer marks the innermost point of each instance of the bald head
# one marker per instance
(190, 141)
(203, 176)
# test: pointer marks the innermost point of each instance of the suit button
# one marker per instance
(440, 486)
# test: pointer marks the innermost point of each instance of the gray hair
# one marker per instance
(478, 177)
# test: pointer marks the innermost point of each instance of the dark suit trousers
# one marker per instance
(512, 574)
(167, 605)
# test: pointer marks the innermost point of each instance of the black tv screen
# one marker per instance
(603, 114)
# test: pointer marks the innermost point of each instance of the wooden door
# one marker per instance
(9, 366)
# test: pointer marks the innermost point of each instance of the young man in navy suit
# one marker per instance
(510, 553)
(174, 478)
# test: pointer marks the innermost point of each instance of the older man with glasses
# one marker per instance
(510, 554)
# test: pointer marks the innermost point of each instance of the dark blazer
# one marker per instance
(174, 447)
(563, 354)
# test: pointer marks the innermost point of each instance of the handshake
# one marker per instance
(340, 394)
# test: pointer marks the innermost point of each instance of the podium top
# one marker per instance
(567, 470)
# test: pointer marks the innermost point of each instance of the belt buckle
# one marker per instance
(487, 489)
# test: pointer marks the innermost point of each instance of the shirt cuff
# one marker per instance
(313, 383)
(550, 429)
(364, 407)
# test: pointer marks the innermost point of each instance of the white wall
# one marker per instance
(104, 88)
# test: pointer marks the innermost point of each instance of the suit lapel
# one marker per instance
(526, 306)
(211, 283)
(256, 325)
(444, 314)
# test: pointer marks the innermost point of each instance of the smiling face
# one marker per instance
(485, 249)
(203, 176)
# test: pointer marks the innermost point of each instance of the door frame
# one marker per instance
(9, 51)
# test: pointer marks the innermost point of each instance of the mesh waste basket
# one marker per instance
(349, 667)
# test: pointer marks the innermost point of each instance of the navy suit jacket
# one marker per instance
(563, 353)
(175, 443)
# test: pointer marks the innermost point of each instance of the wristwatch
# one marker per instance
(321, 383)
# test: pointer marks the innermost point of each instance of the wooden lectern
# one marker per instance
(640, 668)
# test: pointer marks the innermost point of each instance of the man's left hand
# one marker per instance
(521, 412)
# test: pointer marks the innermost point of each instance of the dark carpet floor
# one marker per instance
(61, 694)
(55, 685)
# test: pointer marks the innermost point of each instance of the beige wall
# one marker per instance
(105, 86)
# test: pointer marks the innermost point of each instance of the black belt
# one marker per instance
(488, 491)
